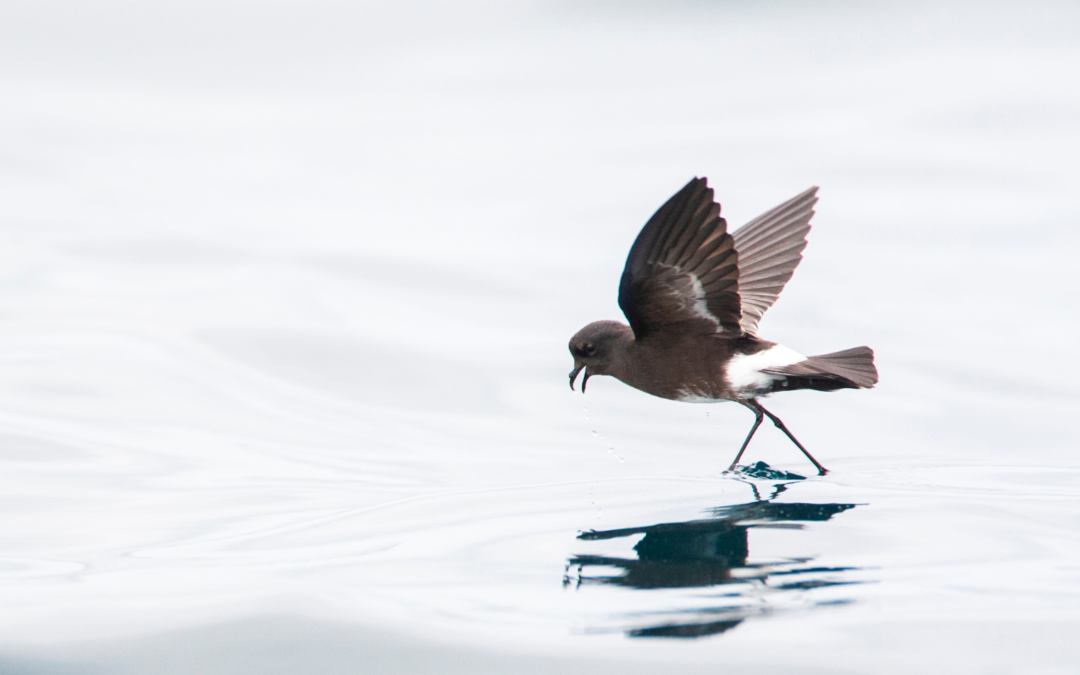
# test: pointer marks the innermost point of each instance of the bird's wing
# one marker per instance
(770, 248)
(683, 272)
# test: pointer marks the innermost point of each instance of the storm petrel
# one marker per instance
(693, 294)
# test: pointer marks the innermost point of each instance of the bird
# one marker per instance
(693, 295)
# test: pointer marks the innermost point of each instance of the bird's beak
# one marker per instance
(584, 379)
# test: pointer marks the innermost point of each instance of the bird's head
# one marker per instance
(597, 349)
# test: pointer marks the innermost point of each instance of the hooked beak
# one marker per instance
(573, 376)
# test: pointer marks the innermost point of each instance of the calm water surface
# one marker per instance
(285, 292)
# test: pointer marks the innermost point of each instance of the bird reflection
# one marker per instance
(711, 552)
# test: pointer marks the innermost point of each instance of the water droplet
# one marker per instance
(610, 447)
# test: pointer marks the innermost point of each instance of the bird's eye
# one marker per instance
(589, 349)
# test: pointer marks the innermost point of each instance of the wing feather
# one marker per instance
(769, 249)
(683, 268)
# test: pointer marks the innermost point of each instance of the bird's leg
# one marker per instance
(757, 495)
(758, 410)
(777, 489)
(780, 425)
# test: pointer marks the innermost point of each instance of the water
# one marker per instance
(285, 292)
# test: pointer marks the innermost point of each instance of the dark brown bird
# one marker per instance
(694, 294)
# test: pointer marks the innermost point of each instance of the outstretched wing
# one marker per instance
(683, 269)
(770, 248)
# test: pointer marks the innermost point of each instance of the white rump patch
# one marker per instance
(744, 371)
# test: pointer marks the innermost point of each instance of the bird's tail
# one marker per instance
(849, 369)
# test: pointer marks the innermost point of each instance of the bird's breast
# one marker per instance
(697, 395)
(686, 368)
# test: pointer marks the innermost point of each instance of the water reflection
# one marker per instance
(712, 552)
